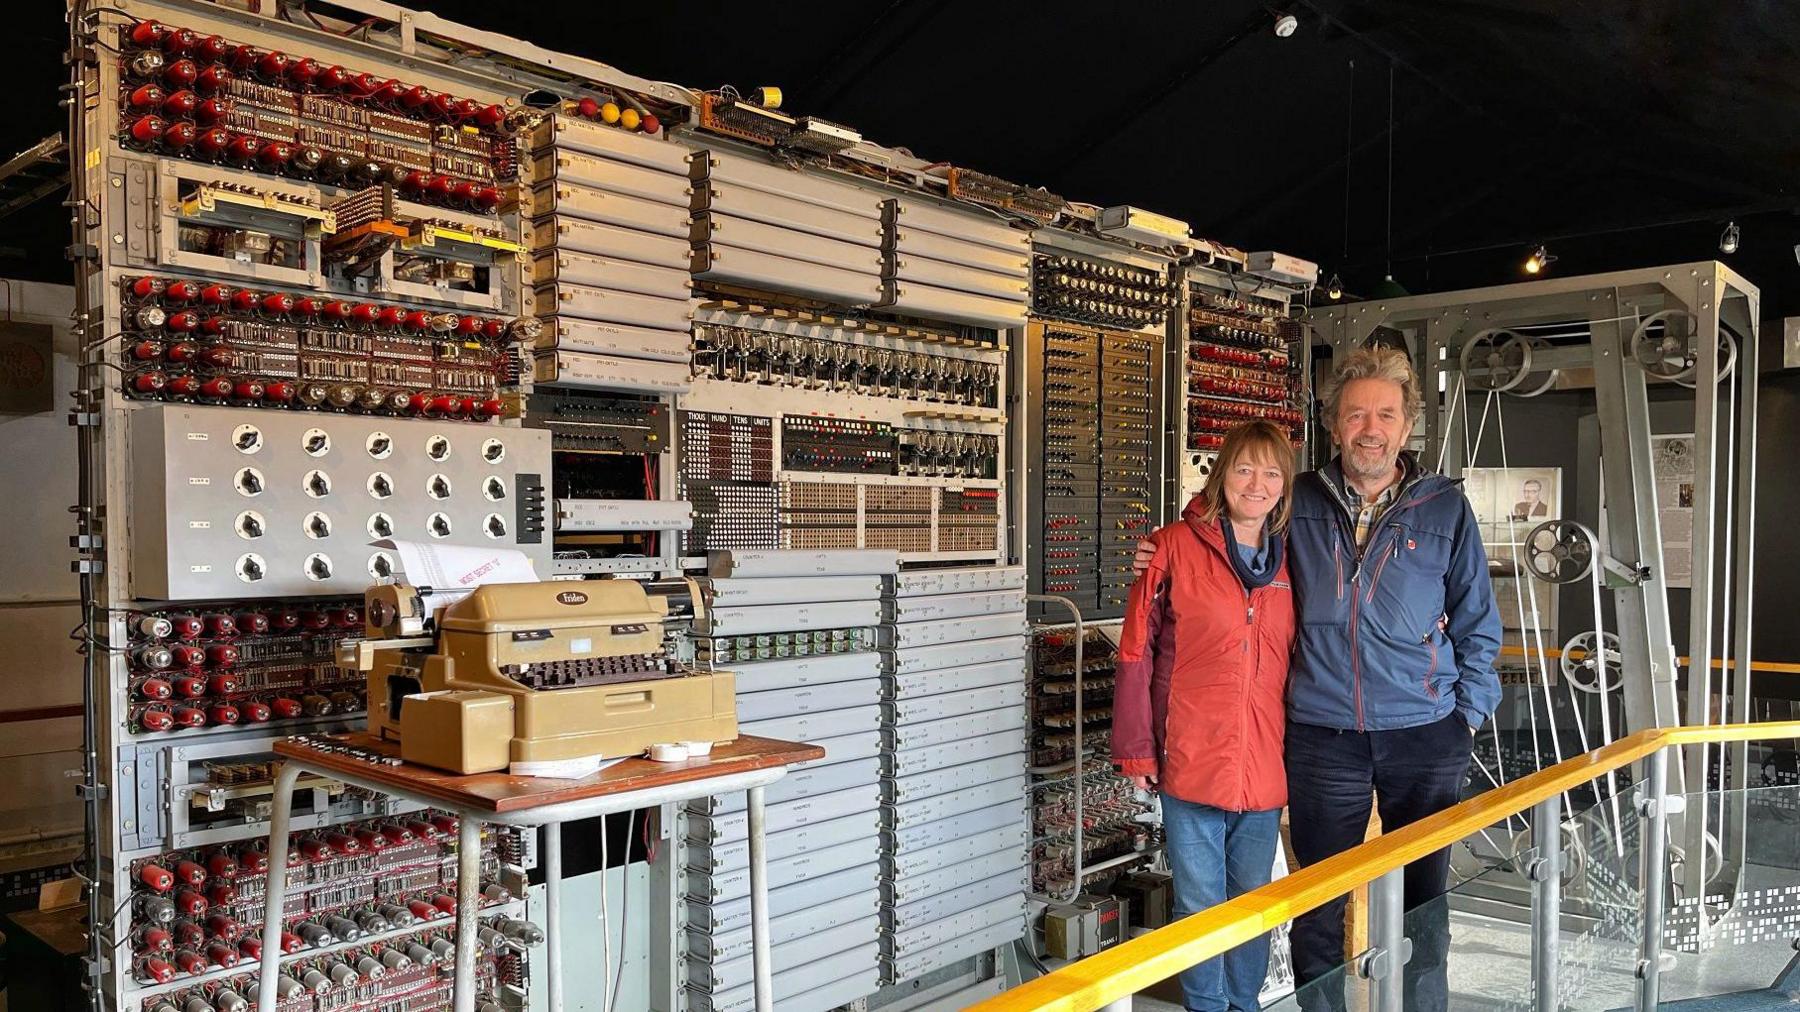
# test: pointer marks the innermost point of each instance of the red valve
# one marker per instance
(155, 689)
(223, 683)
(179, 74)
(213, 80)
(146, 351)
(220, 894)
(151, 938)
(493, 329)
(285, 620)
(148, 34)
(243, 149)
(180, 41)
(417, 320)
(213, 143)
(276, 154)
(148, 382)
(343, 843)
(191, 963)
(333, 78)
(490, 116)
(316, 621)
(651, 124)
(250, 947)
(442, 106)
(157, 971)
(364, 314)
(212, 49)
(221, 655)
(190, 902)
(156, 719)
(190, 873)
(252, 861)
(439, 187)
(276, 303)
(218, 387)
(253, 622)
(304, 71)
(493, 407)
(306, 306)
(147, 98)
(222, 714)
(488, 197)
(216, 357)
(285, 707)
(396, 836)
(465, 109)
(415, 96)
(389, 316)
(184, 322)
(147, 129)
(335, 311)
(423, 910)
(255, 712)
(347, 618)
(371, 840)
(211, 111)
(156, 877)
(220, 864)
(291, 943)
(272, 66)
(279, 391)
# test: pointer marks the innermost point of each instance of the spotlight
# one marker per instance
(1539, 259)
(1728, 239)
(1334, 289)
(1286, 25)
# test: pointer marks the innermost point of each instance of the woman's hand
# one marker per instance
(1144, 783)
(1146, 553)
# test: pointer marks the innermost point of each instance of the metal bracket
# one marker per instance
(1632, 574)
(1674, 804)
(1377, 963)
(84, 419)
(96, 967)
(1540, 870)
(87, 567)
(91, 792)
(86, 542)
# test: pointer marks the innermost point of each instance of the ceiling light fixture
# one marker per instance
(1539, 259)
(1729, 239)
(1334, 289)
(1286, 25)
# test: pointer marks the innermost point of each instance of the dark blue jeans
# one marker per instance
(1412, 773)
(1215, 855)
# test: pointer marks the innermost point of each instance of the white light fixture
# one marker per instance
(1539, 259)
(1334, 289)
(1729, 239)
(1286, 25)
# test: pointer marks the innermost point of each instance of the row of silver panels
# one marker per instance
(956, 630)
(796, 617)
(973, 676)
(908, 661)
(938, 607)
(771, 227)
(818, 999)
(945, 264)
(228, 503)
(935, 582)
(610, 274)
(991, 937)
(732, 592)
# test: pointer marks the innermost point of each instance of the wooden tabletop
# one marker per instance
(502, 793)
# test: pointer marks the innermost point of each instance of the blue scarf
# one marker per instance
(1250, 580)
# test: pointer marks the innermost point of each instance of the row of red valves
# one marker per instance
(167, 303)
(1239, 388)
(342, 396)
(182, 947)
(185, 58)
(216, 143)
(253, 858)
(222, 713)
(220, 625)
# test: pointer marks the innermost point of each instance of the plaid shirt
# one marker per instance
(1368, 514)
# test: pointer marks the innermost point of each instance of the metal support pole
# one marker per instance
(1546, 901)
(1389, 949)
(759, 904)
(468, 909)
(275, 892)
(553, 911)
(1653, 865)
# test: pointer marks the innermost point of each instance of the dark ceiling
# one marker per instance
(1515, 121)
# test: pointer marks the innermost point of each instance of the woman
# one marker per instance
(1198, 709)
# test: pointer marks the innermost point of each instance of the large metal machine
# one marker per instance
(1626, 344)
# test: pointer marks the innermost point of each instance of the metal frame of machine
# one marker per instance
(1696, 324)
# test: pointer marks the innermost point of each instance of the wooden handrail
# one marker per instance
(1718, 663)
(1131, 966)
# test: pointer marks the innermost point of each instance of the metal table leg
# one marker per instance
(759, 904)
(275, 893)
(553, 911)
(468, 909)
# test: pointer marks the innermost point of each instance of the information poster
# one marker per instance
(1509, 503)
(1672, 465)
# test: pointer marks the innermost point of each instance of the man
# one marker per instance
(1531, 504)
(1393, 669)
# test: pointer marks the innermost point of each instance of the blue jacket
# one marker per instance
(1403, 632)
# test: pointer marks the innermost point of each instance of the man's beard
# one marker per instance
(1369, 464)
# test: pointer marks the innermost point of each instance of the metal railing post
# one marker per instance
(1653, 806)
(1389, 947)
(1545, 873)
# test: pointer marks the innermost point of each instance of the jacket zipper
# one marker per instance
(1244, 685)
(1337, 556)
(1393, 553)
(1431, 690)
(1350, 519)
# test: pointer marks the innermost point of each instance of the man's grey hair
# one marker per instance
(1388, 364)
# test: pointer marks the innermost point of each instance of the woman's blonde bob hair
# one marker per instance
(1259, 442)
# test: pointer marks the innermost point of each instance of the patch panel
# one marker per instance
(847, 445)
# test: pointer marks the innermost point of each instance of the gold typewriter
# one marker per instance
(535, 672)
